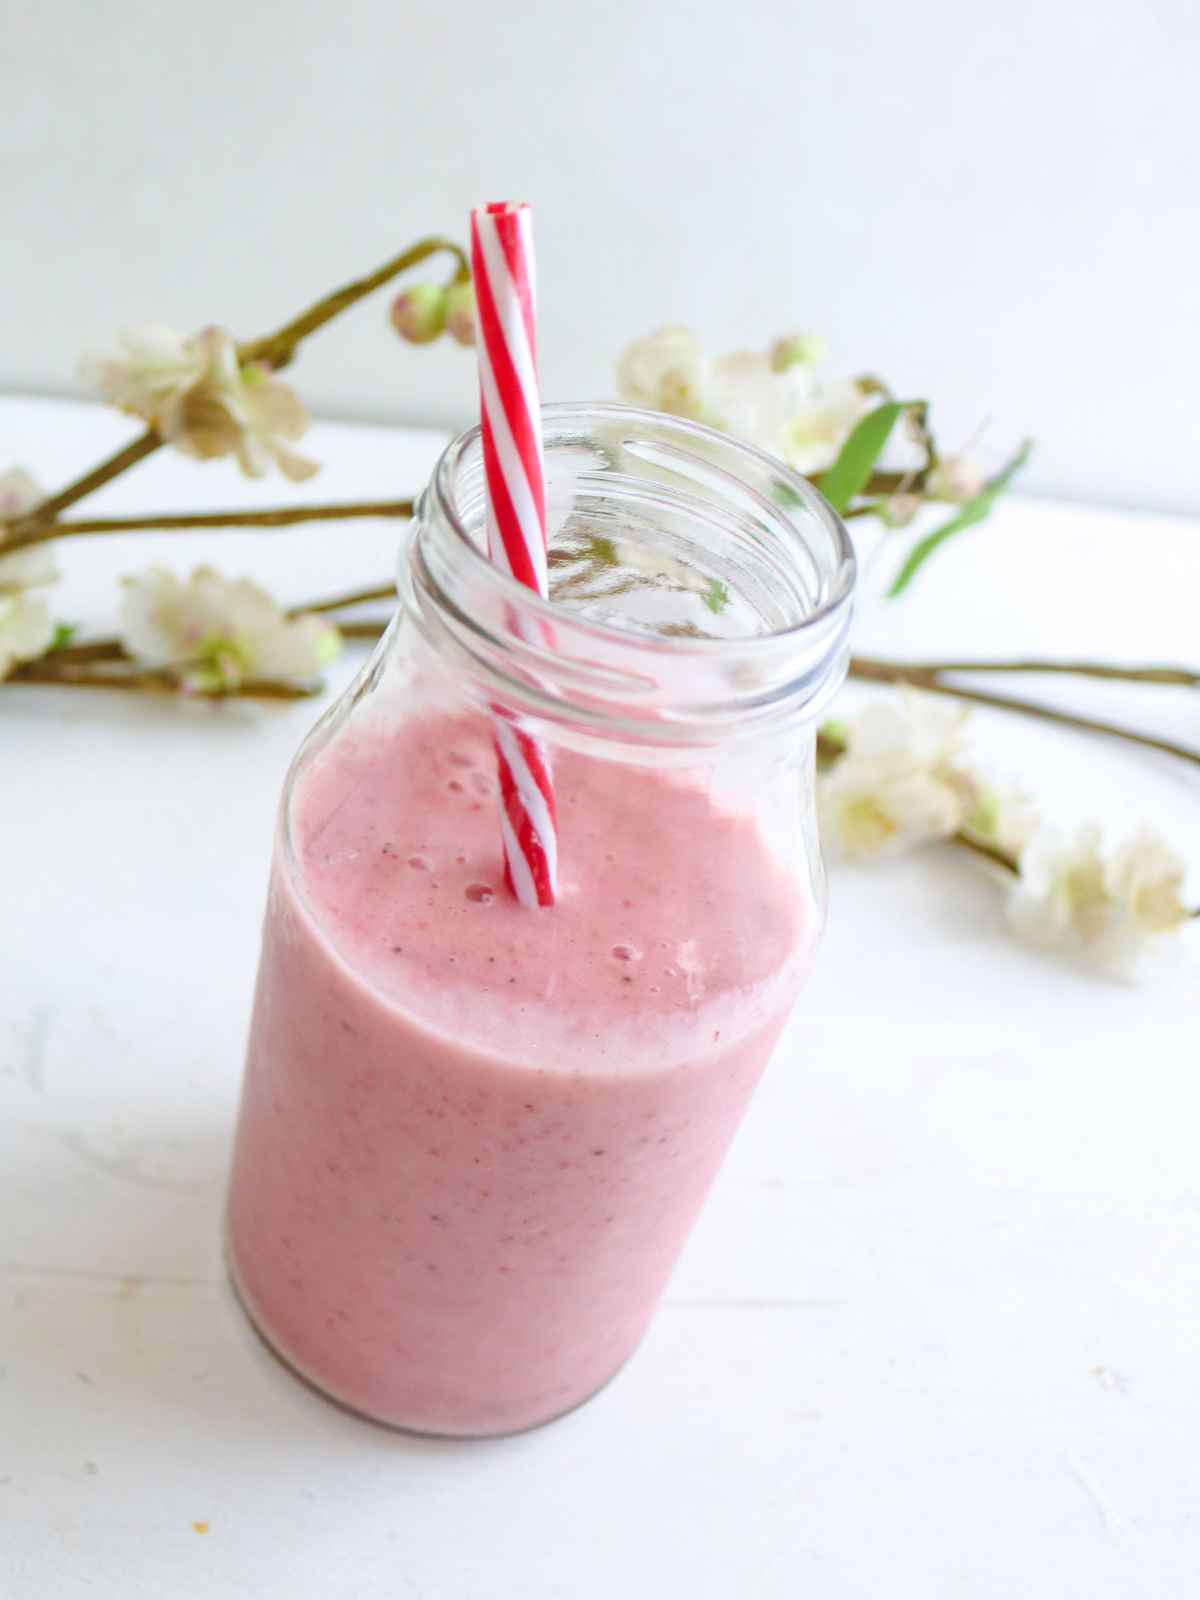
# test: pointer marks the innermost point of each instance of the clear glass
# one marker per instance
(474, 1138)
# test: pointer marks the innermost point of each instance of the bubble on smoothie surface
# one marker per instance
(420, 863)
(483, 783)
(482, 894)
(626, 952)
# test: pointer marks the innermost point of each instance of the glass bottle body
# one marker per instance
(475, 1137)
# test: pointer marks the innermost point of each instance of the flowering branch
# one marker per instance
(989, 852)
(279, 517)
(81, 654)
(71, 664)
(277, 349)
(833, 743)
(1181, 676)
(270, 353)
(50, 670)
(343, 602)
(25, 530)
(918, 677)
(842, 435)
(898, 776)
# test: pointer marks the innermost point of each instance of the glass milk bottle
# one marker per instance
(474, 1137)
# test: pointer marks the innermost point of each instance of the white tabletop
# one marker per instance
(937, 1333)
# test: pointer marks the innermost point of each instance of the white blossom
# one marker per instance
(667, 371)
(819, 425)
(1112, 911)
(19, 494)
(796, 349)
(901, 781)
(156, 367)
(956, 479)
(203, 401)
(216, 632)
(30, 568)
(26, 627)
(1002, 816)
(776, 399)
(898, 510)
(33, 566)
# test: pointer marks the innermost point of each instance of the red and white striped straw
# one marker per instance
(511, 419)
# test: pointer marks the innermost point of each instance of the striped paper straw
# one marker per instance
(511, 424)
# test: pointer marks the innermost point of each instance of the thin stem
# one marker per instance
(95, 650)
(362, 630)
(830, 749)
(989, 852)
(25, 530)
(150, 681)
(341, 602)
(1183, 676)
(277, 349)
(279, 517)
(76, 655)
(892, 672)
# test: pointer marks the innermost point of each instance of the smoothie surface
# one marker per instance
(671, 914)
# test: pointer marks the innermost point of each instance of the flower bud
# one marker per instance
(796, 350)
(898, 510)
(460, 312)
(419, 314)
(955, 479)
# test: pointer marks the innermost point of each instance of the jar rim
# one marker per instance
(560, 413)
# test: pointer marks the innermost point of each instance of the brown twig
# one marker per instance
(275, 350)
(873, 671)
(70, 656)
(1182, 676)
(831, 747)
(342, 602)
(989, 852)
(150, 681)
(279, 517)
(24, 530)
(362, 630)
(80, 654)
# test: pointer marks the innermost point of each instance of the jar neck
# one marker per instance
(701, 591)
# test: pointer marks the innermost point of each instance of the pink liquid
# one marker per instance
(474, 1138)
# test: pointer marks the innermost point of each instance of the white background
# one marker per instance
(994, 206)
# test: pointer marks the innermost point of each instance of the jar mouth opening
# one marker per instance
(837, 583)
(702, 588)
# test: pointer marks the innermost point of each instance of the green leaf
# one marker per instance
(976, 510)
(63, 634)
(848, 475)
(716, 597)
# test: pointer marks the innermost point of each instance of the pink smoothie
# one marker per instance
(474, 1138)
